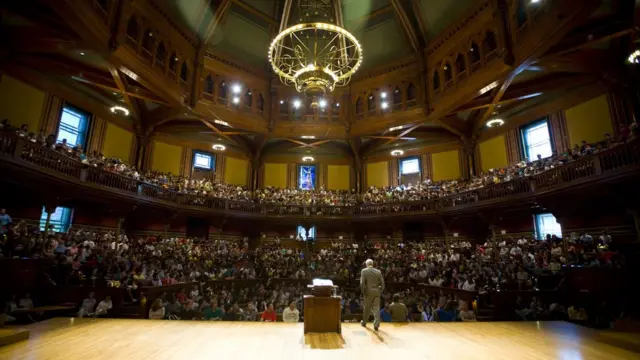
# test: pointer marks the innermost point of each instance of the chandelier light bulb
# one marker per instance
(323, 103)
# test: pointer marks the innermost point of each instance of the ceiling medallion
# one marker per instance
(308, 158)
(218, 147)
(315, 56)
(397, 152)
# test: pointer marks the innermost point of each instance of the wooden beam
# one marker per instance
(256, 12)
(406, 25)
(593, 42)
(123, 90)
(220, 14)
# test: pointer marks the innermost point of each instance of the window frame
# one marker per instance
(409, 158)
(205, 153)
(315, 176)
(312, 233)
(82, 136)
(524, 141)
(538, 228)
(60, 225)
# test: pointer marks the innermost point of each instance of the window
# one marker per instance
(536, 140)
(306, 177)
(60, 219)
(74, 125)
(301, 233)
(410, 166)
(202, 160)
(546, 224)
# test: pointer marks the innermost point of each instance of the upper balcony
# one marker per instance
(34, 164)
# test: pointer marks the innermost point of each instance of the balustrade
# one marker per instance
(621, 159)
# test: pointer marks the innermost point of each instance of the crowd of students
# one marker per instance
(422, 190)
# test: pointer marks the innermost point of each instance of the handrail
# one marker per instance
(622, 158)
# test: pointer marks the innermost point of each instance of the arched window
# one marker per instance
(133, 30)
(209, 85)
(436, 80)
(397, 96)
(184, 72)
(411, 92)
(448, 72)
(359, 109)
(173, 62)
(161, 54)
(284, 107)
(490, 43)
(248, 98)
(461, 66)
(222, 91)
(260, 103)
(371, 103)
(474, 53)
(147, 44)
(521, 12)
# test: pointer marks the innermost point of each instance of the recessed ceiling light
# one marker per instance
(383, 95)
(218, 147)
(307, 137)
(236, 99)
(120, 110)
(397, 152)
(495, 122)
(307, 158)
(236, 89)
(296, 103)
(323, 103)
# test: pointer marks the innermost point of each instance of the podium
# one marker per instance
(322, 308)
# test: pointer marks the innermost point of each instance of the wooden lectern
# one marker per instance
(322, 308)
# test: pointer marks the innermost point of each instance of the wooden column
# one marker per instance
(51, 115)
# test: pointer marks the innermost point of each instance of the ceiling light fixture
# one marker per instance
(323, 103)
(384, 105)
(315, 56)
(281, 102)
(396, 128)
(495, 123)
(236, 100)
(308, 158)
(383, 95)
(337, 104)
(296, 103)
(120, 110)
(220, 122)
(489, 87)
(307, 137)
(81, 54)
(397, 152)
(634, 57)
(218, 147)
(236, 89)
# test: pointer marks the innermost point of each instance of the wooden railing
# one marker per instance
(620, 160)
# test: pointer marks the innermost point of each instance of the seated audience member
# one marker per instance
(426, 314)
(156, 312)
(465, 313)
(104, 306)
(251, 314)
(398, 310)
(88, 304)
(25, 302)
(269, 315)
(5, 220)
(291, 314)
(385, 315)
(446, 314)
(230, 314)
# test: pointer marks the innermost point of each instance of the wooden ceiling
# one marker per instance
(50, 44)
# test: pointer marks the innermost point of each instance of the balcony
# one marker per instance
(19, 157)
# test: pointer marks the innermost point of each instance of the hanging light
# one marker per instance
(495, 122)
(308, 158)
(219, 147)
(397, 152)
(120, 110)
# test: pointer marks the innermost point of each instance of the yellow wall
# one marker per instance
(446, 165)
(117, 143)
(589, 121)
(378, 174)
(275, 175)
(338, 177)
(166, 158)
(235, 171)
(20, 103)
(493, 153)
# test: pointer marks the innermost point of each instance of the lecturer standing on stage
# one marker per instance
(371, 285)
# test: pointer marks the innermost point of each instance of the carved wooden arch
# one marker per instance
(367, 95)
(141, 26)
(496, 35)
(448, 61)
(416, 89)
(437, 71)
(402, 90)
(477, 40)
(464, 61)
(208, 74)
(187, 63)
(358, 99)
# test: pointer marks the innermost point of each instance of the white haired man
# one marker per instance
(371, 285)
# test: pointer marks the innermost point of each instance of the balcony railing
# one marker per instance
(612, 163)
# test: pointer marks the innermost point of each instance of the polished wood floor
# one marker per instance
(86, 339)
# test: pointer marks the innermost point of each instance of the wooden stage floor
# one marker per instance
(114, 339)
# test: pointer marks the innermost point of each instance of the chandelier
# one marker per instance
(315, 55)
